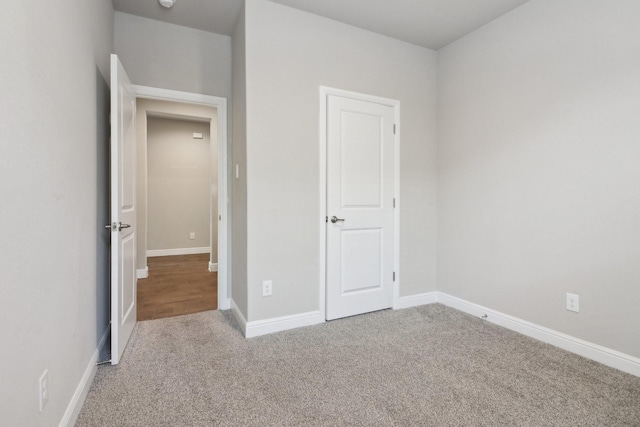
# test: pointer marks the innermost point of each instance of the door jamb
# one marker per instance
(325, 91)
(224, 298)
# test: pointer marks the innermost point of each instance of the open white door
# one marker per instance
(123, 214)
(360, 206)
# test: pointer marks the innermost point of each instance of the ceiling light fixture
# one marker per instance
(167, 3)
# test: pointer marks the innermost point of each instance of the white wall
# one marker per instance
(169, 56)
(53, 139)
(539, 173)
(289, 54)
(179, 193)
(238, 156)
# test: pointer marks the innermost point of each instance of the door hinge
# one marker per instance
(394, 128)
(394, 202)
(394, 276)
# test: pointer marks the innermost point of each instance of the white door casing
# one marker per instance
(123, 214)
(360, 195)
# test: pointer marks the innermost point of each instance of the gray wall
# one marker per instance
(238, 156)
(144, 108)
(179, 180)
(54, 128)
(289, 54)
(169, 56)
(539, 175)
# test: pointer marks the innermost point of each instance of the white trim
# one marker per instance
(213, 267)
(322, 218)
(178, 251)
(224, 305)
(601, 354)
(75, 405)
(598, 353)
(176, 95)
(396, 211)
(604, 355)
(223, 184)
(79, 396)
(242, 322)
(415, 300)
(324, 92)
(142, 273)
(278, 324)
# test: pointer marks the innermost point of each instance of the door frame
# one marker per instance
(325, 92)
(224, 295)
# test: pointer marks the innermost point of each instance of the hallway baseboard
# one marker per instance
(178, 251)
(142, 273)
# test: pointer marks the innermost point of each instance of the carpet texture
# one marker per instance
(424, 366)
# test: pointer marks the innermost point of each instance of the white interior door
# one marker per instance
(360, 206)
(123, 214)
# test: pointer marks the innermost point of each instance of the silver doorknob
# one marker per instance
(335, 219)
(119, 226)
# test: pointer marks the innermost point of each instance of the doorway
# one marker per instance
(181, 194)
(197, 254)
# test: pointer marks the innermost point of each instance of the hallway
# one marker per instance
(177, 285)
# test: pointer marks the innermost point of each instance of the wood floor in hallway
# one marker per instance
(177, 285)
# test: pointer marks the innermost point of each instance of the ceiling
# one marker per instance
(429, 23)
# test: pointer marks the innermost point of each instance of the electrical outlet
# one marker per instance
(267, 288)
(192, 235)
(43, 389)
(573, 302)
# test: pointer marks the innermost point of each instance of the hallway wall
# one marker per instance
(179, 185)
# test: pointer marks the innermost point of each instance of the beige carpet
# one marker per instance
(425, 366)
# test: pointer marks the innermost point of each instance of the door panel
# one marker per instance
(361, 160)
(127, 292)
(123, 212)
(362, 252)
(360, 192)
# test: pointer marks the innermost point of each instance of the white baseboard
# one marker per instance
(75, 405)
(278, 324)
(73, 409)
(242, 322)
(224, 304)
(416, 300)
(142, 273)
(178, 251)
(213, 267)
(604, 355)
